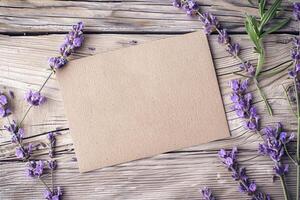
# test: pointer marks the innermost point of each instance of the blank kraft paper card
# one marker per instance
(143, 100)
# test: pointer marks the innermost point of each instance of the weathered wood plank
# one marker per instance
(121, 16)
(175, 175)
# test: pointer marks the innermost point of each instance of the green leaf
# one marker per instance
(251, 29)
(276, 27)
(261, 6)
(270, 14)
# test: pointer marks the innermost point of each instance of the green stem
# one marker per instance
(284, 187)
(263, 97)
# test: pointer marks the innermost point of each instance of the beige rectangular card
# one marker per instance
(143, 100)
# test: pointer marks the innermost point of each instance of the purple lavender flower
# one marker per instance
(233, 49)
(57, 62)
(16, 132)
(35, 168)
(73, 40)
(52, 164)
(34, 98)
(4, 109)
(248, 68)
(246, 186)
(210, 23)
(24, 152)
(273, 146)
(295, 54)
(177, 3)
(243, 104)
(223, 37)
(296, 10)
(52, 141)
(56, 194)
(207, 194)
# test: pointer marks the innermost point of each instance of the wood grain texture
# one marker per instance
(122, 16)
(173, 175)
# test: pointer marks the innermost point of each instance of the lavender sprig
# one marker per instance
(207, 194)
(294, 75)
(273, 146)
(275, 141)
(37, 168)
(74, 39)
(243, 104)
(246, 186)
(210, 25)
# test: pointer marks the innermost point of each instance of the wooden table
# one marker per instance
(31, 31)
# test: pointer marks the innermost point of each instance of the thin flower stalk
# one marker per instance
(211, 24)
(274, 145)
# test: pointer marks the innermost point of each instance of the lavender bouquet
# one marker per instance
(274, 139)
(38, 169)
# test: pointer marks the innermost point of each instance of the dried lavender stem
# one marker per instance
(46, 186)
(41, 88)
(284, 187)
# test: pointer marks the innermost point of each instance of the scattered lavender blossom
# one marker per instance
(4, 109)
(34, 98)
(273, 147)
(52, 141)
(52, 164)
(207, 194)
(24, 152)
(243, 104)
(210, 22)
(17, 133)
(73, 40)
(56, 194)
(35, 168)
(296, 10)
(234, 49)
(246, 186)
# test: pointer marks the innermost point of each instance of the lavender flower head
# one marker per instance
(295, 54)
(207, 194)
(243, 104)
(246, 186)
(56, 194)
(273, 146)
(34, 98)
(4, 109)
(210, 22)
(52, 141)
(72, 41)
(35, 168)
(296, 10)
(248, 68)
(24, 152)
(16, 132)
